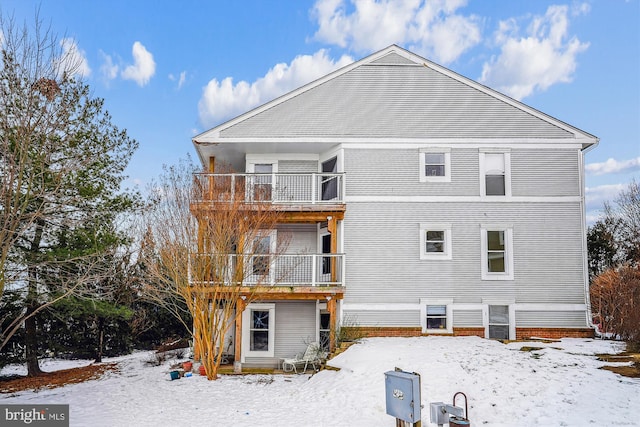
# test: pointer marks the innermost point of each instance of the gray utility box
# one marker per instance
(403, 395)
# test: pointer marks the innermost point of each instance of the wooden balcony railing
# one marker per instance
(269, 270)
(277, 188)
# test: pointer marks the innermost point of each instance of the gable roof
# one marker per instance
(394, 94)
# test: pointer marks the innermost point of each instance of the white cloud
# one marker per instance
(613, 166)
(73, 60)
(143, 68)
(430, 28)
(108, 69)
(596, 196)
(544, 56)
(181, 78)
(224, 99)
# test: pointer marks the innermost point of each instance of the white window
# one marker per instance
(435, 241)
(261, 251)
(495, 173)
(258, 330)
(261, 255)
(436, 316)
(260, 182)
(497, 252)
(435, 165)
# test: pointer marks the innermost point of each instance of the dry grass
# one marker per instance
(55, 379)
(631, 371)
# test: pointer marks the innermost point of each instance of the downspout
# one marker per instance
(585, 249)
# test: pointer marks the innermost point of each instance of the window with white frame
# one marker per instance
(260, 251)
(497, 252)
(435, 241)
(258, 334)
(495, 173)
(261, 255)
(435, 165)
(436, 316)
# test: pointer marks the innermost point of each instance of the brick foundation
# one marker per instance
(469, 332)
(375, 331)
(521, 333)
(554, 333)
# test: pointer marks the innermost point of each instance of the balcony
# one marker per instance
(309, 273)
(320, 192)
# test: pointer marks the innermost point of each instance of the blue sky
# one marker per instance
(170, 70)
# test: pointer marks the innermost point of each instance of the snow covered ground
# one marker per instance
(559, 385)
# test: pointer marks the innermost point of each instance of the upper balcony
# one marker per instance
(286, 192)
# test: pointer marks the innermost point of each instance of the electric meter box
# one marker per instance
(403, 395)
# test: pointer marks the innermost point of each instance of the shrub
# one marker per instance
(615, 302)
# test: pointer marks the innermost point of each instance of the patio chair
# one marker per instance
(312, 356)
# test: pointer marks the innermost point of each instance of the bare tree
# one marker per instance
(211, 252)
(62, 163)
(27, 88)
(614, 239)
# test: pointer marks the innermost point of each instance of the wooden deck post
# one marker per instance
(240, 306)
(331, 308)
(332, 227)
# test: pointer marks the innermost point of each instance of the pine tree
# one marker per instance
(68, 160)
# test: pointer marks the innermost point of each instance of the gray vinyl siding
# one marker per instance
(295, 328)
(386, 318)
(544, 172)
(551, 319)
(297, 166)
(396, 101)
(467, 318)
(299, 238)
(381, 241)
(394, 58)
(394, 172)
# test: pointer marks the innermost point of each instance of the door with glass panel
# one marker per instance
(329, 187)
(263, 182)
(499, 322)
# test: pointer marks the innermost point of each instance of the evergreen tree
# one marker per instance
(71, 158)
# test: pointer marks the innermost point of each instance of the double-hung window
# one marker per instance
(261, 257)
(495, 173)
(435, 164)
(435, 241)
(258, 334)
(436, 316)
(497, 252)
